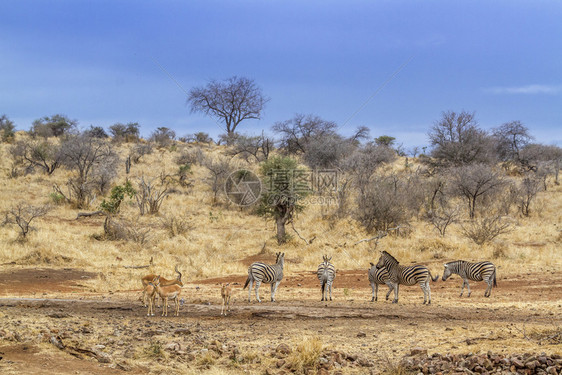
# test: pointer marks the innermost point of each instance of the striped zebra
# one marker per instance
(326, 274)
(260, 272)
(472, 271)
(379, 276)
(406, 275)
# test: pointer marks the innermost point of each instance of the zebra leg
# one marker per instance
(258, 283)
(396, 286)
(424, 290)
(468, 287)
(390, 289)
(250, 290)
(273, 290)
(462, 287)
(330, 291)
(373, 293)
(489, 288)
(428, 291)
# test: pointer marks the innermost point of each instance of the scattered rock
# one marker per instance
(418, 351)
(361, 334)
(57, 341)
(283, 349)
(420, 362)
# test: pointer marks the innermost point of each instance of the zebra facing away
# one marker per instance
(472, 271)
(379, 276)
(260, 272)
(406, 275)
(326, 274)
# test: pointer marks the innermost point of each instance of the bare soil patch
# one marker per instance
(27, 281)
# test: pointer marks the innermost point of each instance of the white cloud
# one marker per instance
(528, 89)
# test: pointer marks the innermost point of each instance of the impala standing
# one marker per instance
(166, 293)
(163, 281)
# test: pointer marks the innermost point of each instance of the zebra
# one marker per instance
(326, 274)
(260, 272)
(472, 271)
(379, 276)
(406, 275)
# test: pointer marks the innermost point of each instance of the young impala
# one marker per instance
(226, 293)
(170, 292)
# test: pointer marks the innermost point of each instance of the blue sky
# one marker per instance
(102, 62)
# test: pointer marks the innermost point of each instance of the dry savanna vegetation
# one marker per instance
(85, 216)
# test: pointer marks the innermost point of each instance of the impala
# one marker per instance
(163, 281)
(151, 293)
(226, 293)
(166, 293)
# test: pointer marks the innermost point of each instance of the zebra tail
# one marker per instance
(495, 282)
(247, 282)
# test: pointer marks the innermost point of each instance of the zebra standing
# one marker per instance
(406, 275)
(260, 272)
(326, 274)
(379, 276)
(472, 271)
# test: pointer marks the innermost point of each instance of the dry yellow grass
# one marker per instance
(223, 234)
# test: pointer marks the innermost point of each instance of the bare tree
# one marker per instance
(385, 202)
(474, 181)
(327, 151)
(251, 148)
(298, 132)
(42, 154)
(457, 140)
(511, 138)
(219, 168)
(152, 193)
(125, 133)
(139, 150)
(163, 137)
(231, 101)
(527, 191)
(22, 215)
(442, 217)
(96, 132)
(54, 126)
(362, 163)
(91, 158)
(537, 156)
(435, 192)
(485, 229)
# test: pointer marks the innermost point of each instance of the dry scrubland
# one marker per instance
(222, 238)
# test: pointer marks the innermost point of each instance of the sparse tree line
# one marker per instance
(467, 176)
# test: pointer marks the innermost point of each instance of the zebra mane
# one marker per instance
(454, 262)
(390, 256)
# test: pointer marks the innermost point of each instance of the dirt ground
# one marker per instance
(49, 324)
